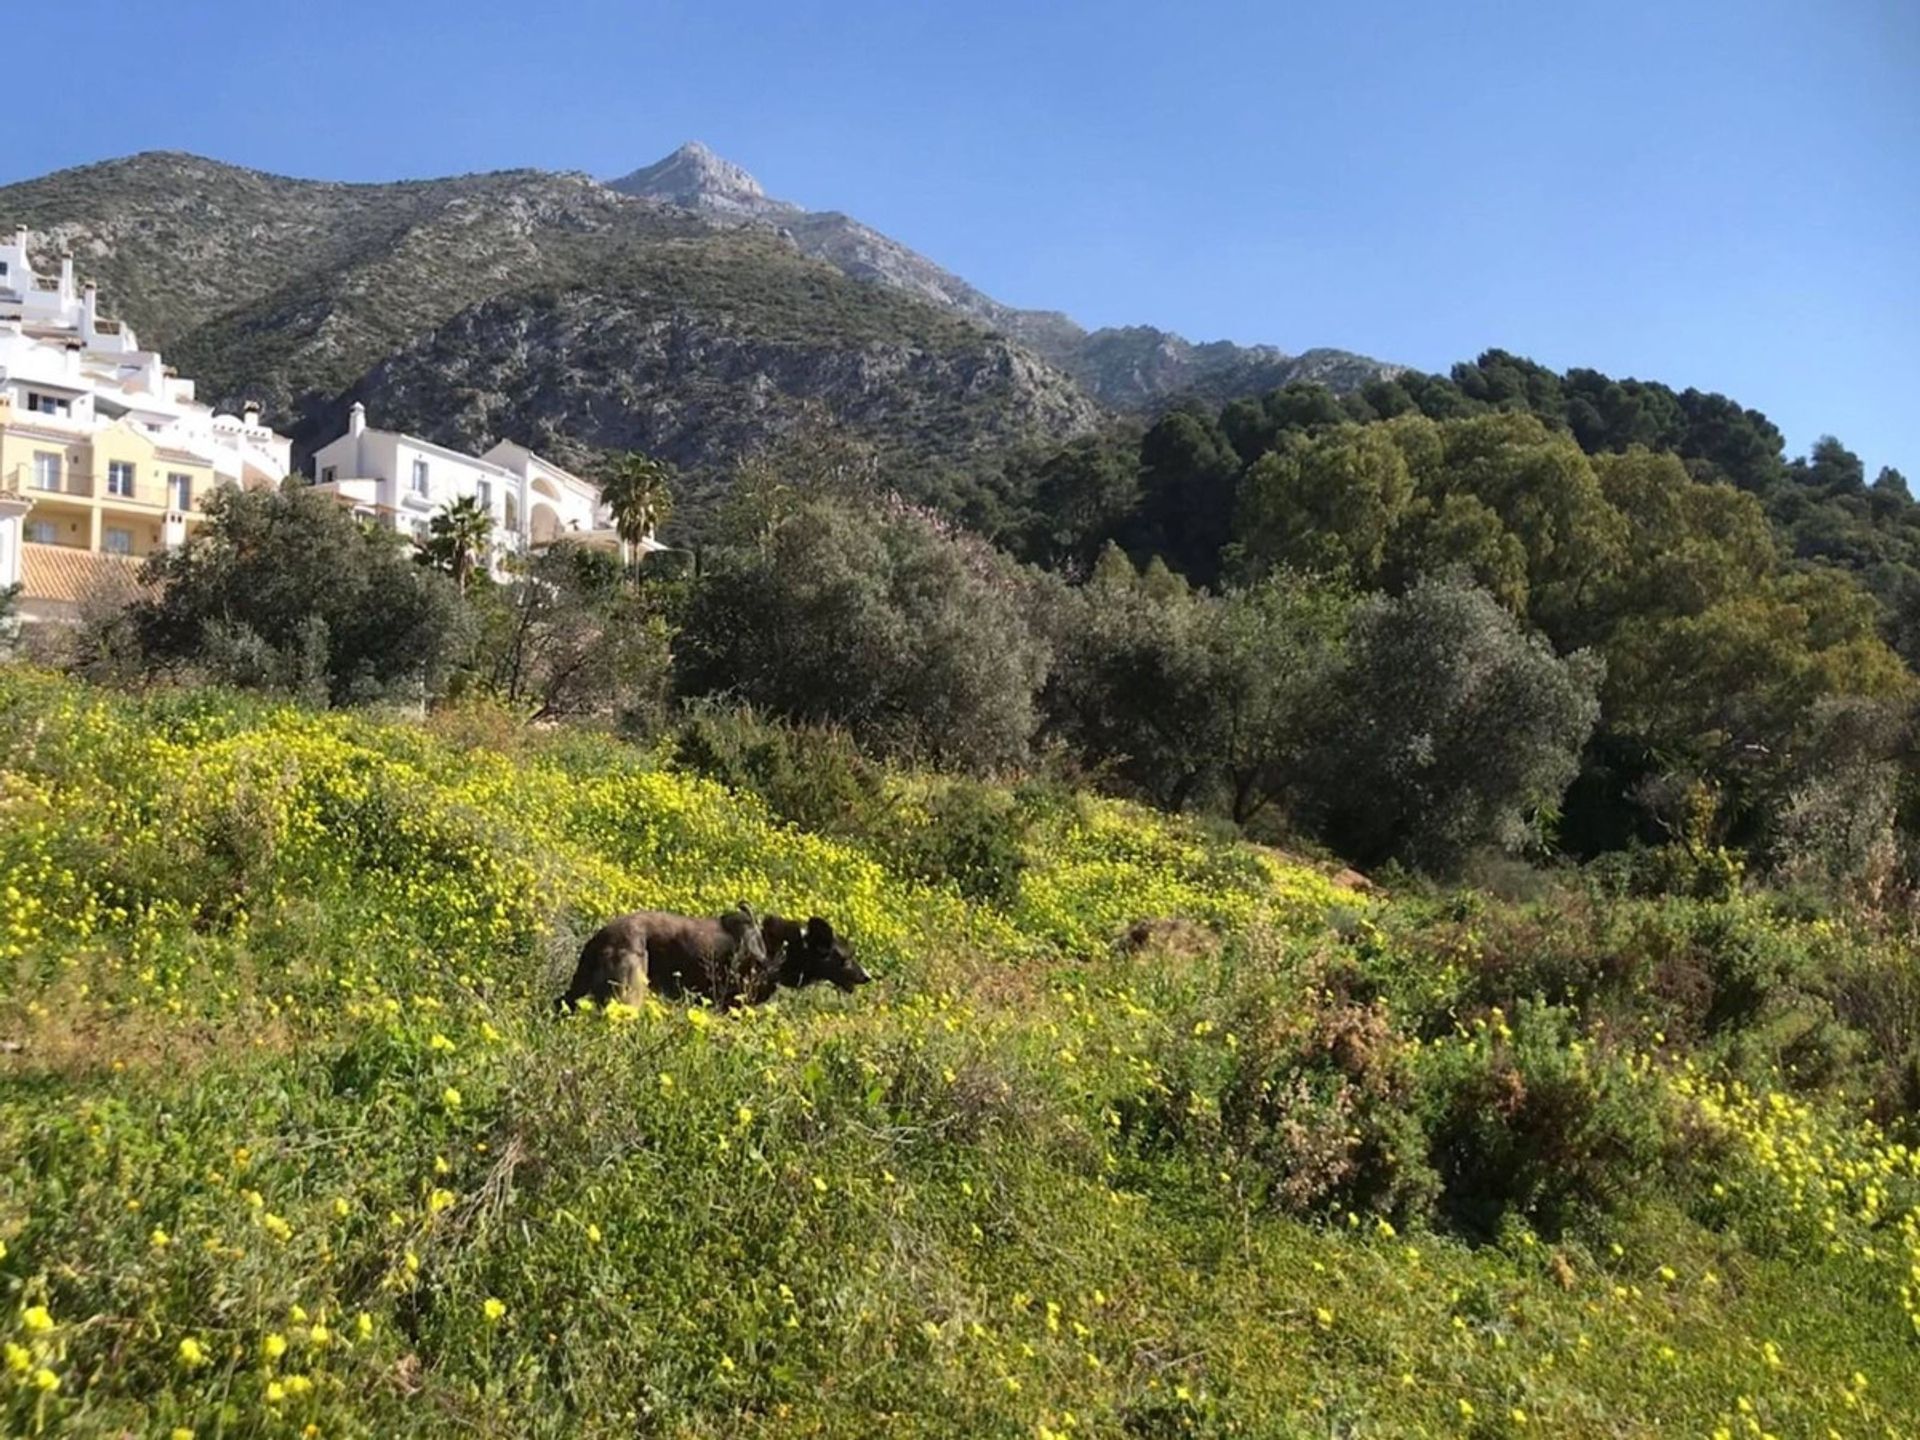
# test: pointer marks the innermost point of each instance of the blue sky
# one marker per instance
(1720, 193)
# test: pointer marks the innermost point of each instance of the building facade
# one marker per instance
(402, 481)
(105, 454)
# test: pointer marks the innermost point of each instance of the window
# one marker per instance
(116, 540)
(483, 492)
(120, 477)
(419, 477)
(180, 491)
(46, 470)
(420, 531)
(43, 532)
(327, 473)
(48, 404)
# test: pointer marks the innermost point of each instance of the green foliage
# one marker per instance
(286, 590)
(1190, 699)
(971, 836)
(1453, 729)
(813, 776)
(1528, 1122)
(292, 1138)
(1082, 497)
(567, 638)
(1188, 476)
(880, 619)
(459, 538)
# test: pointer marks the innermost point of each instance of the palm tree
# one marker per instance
(460, 535)
(638, 490)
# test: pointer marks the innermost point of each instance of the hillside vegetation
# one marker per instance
(580, 320)
(292, 1142)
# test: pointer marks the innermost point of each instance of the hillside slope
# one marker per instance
(290, 1137)
(309, 295)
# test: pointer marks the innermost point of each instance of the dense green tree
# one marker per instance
(1188, 476)
(1501, 381)
(879, 618)
(1083, 496)
(1132, 687)
(1457, 536)
(286, 589)
(1830, 469)
(1456, 729)
(1192, 700)
(1326, 505)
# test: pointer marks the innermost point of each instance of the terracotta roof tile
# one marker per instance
(68, 574)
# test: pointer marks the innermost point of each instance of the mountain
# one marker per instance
(1135, 367)
(545, 308)
(679, 310)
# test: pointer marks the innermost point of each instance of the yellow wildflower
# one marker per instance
(493, 1309)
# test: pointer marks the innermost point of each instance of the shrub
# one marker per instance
(1318, 1105)
(813, 776)
(972, 836)
(1453, 729)
(878, 619)
(1529, 1120)
(285, 590)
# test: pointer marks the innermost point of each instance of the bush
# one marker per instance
(1528, 1120)
(972, 837)
(1318, 1104)
(1454, 729)
(813, 776)
(284, 590)
(880, 620)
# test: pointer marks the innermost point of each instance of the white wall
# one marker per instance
(11, 532)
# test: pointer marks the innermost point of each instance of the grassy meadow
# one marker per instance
(292, 1143)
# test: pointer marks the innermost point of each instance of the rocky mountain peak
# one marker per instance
(695, 178)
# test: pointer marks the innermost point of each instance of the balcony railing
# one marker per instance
(23, 482)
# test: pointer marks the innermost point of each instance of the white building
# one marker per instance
(403, 481)
(105, 454)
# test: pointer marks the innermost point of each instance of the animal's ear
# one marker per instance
(819, 933)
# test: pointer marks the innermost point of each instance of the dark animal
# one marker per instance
(799, 955)
(723, 958)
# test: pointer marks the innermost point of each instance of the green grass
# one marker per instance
(280, 984)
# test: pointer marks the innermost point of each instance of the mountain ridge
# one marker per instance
(310, 294)
(1132, 367)
(701, 323)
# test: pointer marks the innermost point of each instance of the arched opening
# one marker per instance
(512, 526)
(546, 523)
